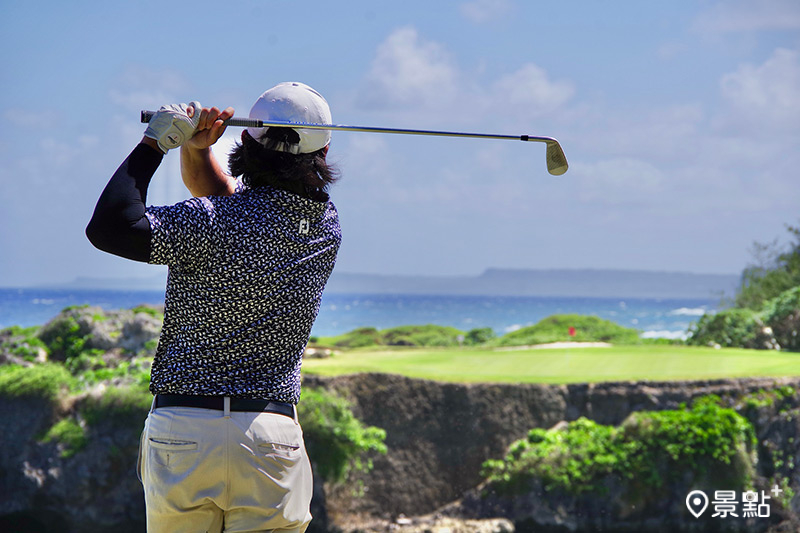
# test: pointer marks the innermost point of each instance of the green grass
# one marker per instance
(562, 365)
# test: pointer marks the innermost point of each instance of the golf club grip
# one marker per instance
(234, 121)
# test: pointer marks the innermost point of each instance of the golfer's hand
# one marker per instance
(172, 125)
(210, 127)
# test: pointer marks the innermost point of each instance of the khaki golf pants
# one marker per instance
(205, 470)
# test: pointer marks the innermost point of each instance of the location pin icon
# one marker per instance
(697, 502)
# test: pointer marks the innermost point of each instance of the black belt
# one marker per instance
(217, 402)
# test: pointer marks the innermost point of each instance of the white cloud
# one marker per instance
(420, 78)
(408, 70)
(369, 154)
(657, 134)
(619, 181)
(531, 92)
(30, 118)
(64, 153)
(672, 49)
(767, 93)
(481, 11)
(737, 155)
(140, 86)
(669, 165)
(748, 15)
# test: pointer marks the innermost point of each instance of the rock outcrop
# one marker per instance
(124, 331)
(44, 489)
(438, 436)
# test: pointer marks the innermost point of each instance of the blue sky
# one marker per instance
(680, 120)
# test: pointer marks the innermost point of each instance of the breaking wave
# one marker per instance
(689, 311)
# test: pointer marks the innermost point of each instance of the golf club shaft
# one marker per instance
(556, 161)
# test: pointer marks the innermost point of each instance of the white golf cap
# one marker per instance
(294, 102)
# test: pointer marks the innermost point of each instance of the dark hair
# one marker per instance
(308, 175)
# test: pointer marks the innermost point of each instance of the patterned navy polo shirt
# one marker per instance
(246, 274)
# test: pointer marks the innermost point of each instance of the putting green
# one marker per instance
(563, 364)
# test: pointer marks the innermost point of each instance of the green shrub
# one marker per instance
(573, 459)
(21, 342)
(556, 329)
(729, 328)
(70, 434)
(782, 314)
(690, 439)
(336, 440)
(122, 406)
(129, 372)
(74, 307)
(46, 381)
(427, 335)
(764, 398)
(358, 338)
(64, 336)
(776, 269)
(479, 336)
(19, 331)
(403, 340)
(149, 310)
(86, 361)
(648, 450)
(150, 346)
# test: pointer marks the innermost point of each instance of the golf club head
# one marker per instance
(556, 160)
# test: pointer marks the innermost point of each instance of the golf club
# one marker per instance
(554, 155)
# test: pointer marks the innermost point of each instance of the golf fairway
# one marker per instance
(562, 365)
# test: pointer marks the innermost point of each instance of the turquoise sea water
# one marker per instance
(340, 313)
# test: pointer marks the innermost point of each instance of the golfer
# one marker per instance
(248, 256)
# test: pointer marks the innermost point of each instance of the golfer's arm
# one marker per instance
(203, 175)
(119, 225)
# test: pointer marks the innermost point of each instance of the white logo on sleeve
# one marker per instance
(304, 226)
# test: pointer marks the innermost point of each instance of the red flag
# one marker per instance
(572, 331)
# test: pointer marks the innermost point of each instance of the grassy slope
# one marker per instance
(563, 365)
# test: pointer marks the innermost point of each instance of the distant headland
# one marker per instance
(590, 283)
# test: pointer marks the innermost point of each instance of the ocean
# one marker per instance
(340, 313)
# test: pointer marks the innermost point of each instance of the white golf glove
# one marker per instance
(172, 126)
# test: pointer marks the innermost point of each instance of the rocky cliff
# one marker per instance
(439, 434)
(67, 459)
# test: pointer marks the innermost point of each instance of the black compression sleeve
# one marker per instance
(118, 225)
